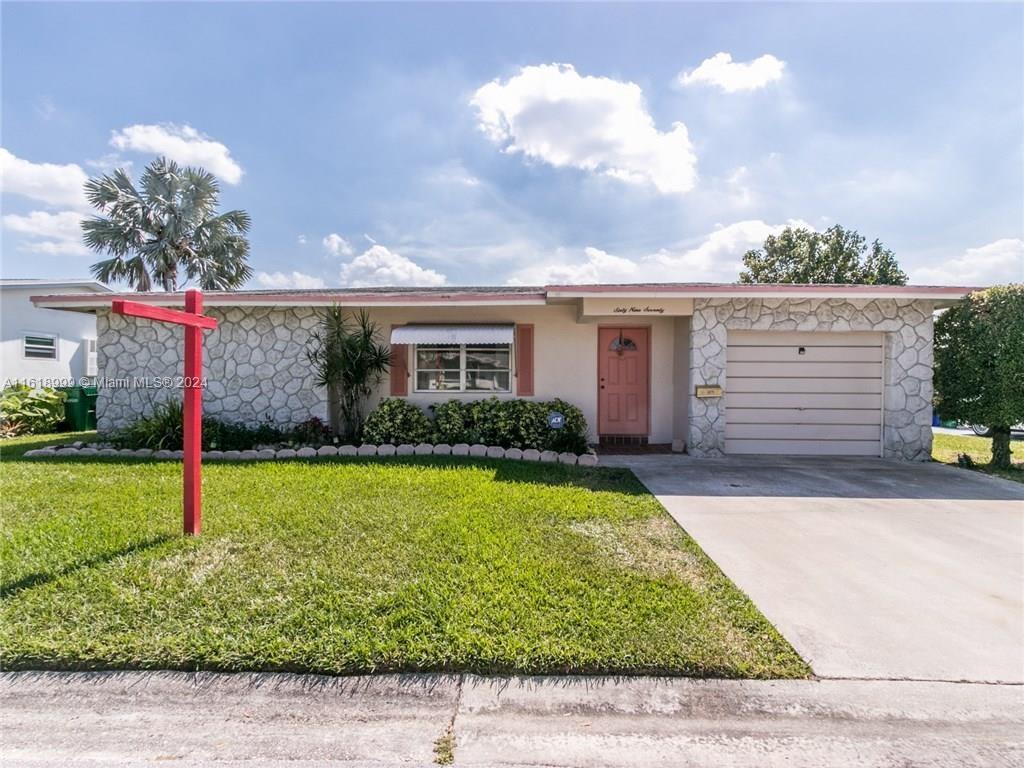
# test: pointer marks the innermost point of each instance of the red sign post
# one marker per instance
(195, 322)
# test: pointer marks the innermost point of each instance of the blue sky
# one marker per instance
(492, 144)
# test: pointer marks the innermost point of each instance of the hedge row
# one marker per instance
(518, 424)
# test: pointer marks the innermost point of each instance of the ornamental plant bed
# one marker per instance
(364, 565)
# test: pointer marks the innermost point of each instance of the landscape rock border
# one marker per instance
(328, 451)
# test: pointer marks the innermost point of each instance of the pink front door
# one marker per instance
(623, 380)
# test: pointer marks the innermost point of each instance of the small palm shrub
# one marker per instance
(396, 421)
(28, 411)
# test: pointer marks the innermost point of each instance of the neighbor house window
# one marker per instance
(463, 368)
(40, 346)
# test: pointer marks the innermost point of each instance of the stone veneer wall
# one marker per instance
(254, 361)
(907, 368)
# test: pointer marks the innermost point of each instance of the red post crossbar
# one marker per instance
(195, 322)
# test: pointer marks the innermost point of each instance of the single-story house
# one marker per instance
(710, 368)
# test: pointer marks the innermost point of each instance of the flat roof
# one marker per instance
(506, 295)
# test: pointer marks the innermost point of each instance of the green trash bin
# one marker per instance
(80, 408)
(73, 404)
(89, 396)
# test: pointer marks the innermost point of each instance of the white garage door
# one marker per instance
(804, 393)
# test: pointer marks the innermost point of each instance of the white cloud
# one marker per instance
(998, 262)
(553, 114)
(732, 76)
(598, 267)
(59, 185)
(377, 266)
(181, 143)
(49, 233)
(336, 245)
(283, 280)
(110, 162)
(716, 258)
(301, 239)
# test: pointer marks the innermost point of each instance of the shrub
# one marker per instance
(26, 411)
(453, 423)
(396, 421)
(510, 424)
(164, 429)
(979, 364)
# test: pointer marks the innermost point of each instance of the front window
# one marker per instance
(464, 368)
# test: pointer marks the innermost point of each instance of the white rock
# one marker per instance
(327, 450)
(266, 453)
(306, 452)
(549, 456)
(232, 455)
(142, 452)
(424, 449)
(158, 455)
(386, 450)
(248, 455)
(587, 460)
(531, 454)
(33, 453)
(367, 450)
(286, 453)
(460, 449)
(567, 458)
(347, 450)
(442, 449)
(513, 453)
(495, 452)
(177, 454)
(405, 450)
(213, 455)
(478, 450)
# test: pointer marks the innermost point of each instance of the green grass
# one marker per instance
(351, 566)
(946, 448)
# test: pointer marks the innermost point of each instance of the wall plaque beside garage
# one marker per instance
(708, 390)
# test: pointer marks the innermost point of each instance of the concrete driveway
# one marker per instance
(870, 568)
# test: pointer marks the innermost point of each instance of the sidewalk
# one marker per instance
(182, 719)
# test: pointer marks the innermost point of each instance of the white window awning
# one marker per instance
(453, 334)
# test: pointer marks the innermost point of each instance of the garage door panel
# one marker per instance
(804, 338)
(826, 386)
(803, 431)
(799, 400)
(791, 353)
(792, 369)
(804, 447)
(825, 400)
(835, 416)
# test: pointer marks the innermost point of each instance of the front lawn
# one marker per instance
(347, 566)
(946, 448)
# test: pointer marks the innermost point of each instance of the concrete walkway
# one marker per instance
(870, 568)
(182, 719)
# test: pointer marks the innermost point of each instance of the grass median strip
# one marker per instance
(352, 566)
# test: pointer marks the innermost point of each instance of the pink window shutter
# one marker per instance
(524, 360)
(399, 370)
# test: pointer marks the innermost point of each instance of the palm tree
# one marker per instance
(168, 232)
(349, 361)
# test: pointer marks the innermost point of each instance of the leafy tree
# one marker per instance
(349, 361)
(836, 255)
(979, 364)
(166, 231)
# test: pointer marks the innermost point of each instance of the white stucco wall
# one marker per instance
(257, 369)
(18, 316)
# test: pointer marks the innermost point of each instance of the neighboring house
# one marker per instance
(40, 346)
(716, 369)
